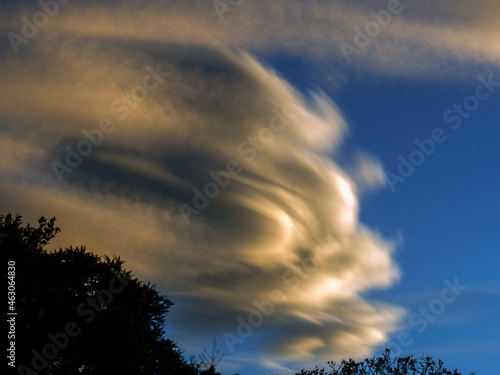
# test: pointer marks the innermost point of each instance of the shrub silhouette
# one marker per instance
(384, 365)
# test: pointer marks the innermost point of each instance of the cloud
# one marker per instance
(261, 233)
(367, 172)
(422, 38)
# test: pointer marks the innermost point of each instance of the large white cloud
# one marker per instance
(261, 233)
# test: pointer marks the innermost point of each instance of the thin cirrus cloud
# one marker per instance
(124, 197)
(443, 35)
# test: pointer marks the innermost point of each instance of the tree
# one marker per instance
(384, 365)
(210, 358)
(79, 313)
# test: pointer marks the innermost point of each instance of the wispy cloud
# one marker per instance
(412, 43)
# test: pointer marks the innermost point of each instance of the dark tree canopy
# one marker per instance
(82, 313)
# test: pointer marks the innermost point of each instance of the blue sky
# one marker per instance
(446, 212)
(116, 118)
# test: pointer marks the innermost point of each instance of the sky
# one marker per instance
(306, 181)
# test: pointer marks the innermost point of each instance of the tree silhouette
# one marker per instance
(384, 365)
(79, 313)
(210, 358)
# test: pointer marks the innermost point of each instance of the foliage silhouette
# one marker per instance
(384, 365)
(124, 335)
